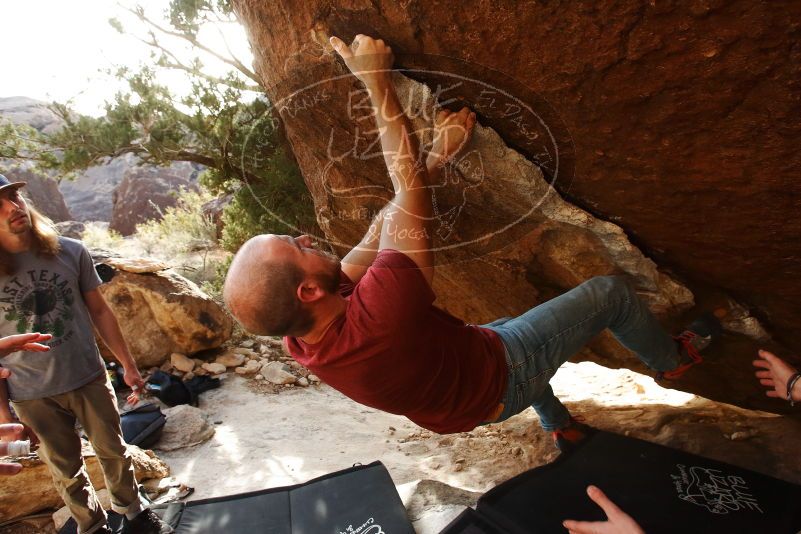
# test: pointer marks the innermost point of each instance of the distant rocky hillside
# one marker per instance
(90, 197)
(24, 110)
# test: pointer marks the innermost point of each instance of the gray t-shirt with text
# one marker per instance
(45, 294)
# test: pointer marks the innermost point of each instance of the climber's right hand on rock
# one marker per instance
(368, 59)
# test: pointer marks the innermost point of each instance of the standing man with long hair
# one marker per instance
(48, 285)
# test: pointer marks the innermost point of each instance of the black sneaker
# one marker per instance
(104, 530)
(698, 336)
(147, 522)
(567, 438)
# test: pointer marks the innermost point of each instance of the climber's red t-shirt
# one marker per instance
(394, 351)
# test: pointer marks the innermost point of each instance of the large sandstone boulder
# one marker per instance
(32, 490)
(145, 192)
(607, 144)
(161, 312)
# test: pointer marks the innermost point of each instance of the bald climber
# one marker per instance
(367, 326)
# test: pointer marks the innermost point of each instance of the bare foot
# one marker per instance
(452, 133)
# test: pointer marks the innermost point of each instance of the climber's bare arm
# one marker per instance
(359, 259)
(407, 219)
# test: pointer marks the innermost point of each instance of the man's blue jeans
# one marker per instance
(545, 337)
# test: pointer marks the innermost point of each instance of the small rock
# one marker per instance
(231, 359)
(198, 362)
(214, 368)
(189, 376)
(243, 351)
(248, 343)
(251, 367)
(258, 377)
(313, 378)
(200, 371)
(166, 366)
(303, 382)
(278, 373)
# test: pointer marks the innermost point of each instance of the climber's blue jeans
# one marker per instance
(540, 340)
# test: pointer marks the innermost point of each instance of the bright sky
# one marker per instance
(53, 49)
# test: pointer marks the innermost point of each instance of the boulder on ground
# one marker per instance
(32, 490)
(162, 313)
(185, 426)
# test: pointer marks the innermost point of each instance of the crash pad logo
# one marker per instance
(714, 490)
(368, 527)
(39, 301)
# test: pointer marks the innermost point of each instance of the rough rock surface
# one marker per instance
(143, 194)
(185, 426)
(32, 490)
(693, 163)
(162, 313)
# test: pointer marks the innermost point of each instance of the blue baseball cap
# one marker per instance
(5, 183)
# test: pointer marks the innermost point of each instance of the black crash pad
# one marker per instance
(358, 500)
(663, 489)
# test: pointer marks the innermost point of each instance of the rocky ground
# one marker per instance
(272, 424)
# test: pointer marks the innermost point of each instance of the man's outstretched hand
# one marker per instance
(25, 342)
(9, 432)
(135, 381)
(774, 375)
(368, 59)
(618, 521)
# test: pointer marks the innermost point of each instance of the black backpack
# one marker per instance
(172, 391)
(142, 426)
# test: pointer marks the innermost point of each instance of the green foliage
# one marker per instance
(183, 228)
(278, 204)
(99, 236)
(214, 285)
